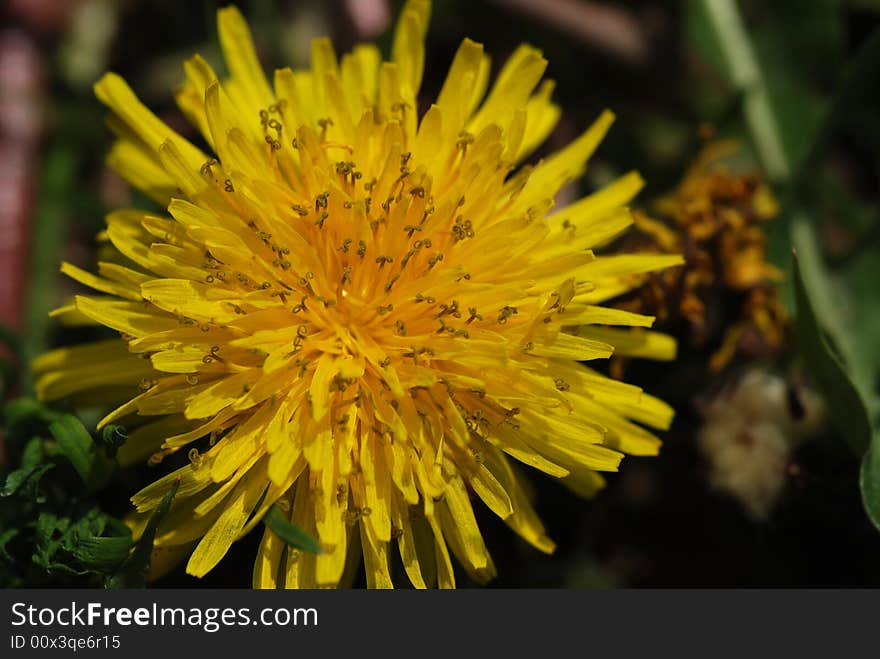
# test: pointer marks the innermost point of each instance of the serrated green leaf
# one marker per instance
(290, 533)
(31, 461)
(76, 443)
(49, 533)
(92, 543)
(18, 479)
(848, 411)
(103, 552)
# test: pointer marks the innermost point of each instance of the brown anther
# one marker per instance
(301, 306)
(462, 229)
(473, 315)
(464, 139)
(324, 124)
(206, 167)
(505, 313)
(406, 258)
(449, 310)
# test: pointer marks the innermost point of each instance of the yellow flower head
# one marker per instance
(358, 314)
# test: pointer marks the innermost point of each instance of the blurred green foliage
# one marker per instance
(811, 69)
(54, 533)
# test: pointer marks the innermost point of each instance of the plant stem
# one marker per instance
(746, 76)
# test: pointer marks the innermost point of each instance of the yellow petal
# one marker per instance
(241, 57)
(216, 542)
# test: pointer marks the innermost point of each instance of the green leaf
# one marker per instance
(748, 78)
(90, 543)
(33, 453)
(59, 179)
(26, 478)
(19, 478)
(23, 410)
(133, 572)
(869, 482)
(5, 537)
(811, 44)
(101, 552)
(861, 76)
(76, 443)
(50, 530)
(291, 534)
(848, 411)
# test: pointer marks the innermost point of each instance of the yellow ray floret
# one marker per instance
(359, 315)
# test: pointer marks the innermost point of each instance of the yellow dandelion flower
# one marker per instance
(358, 314)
